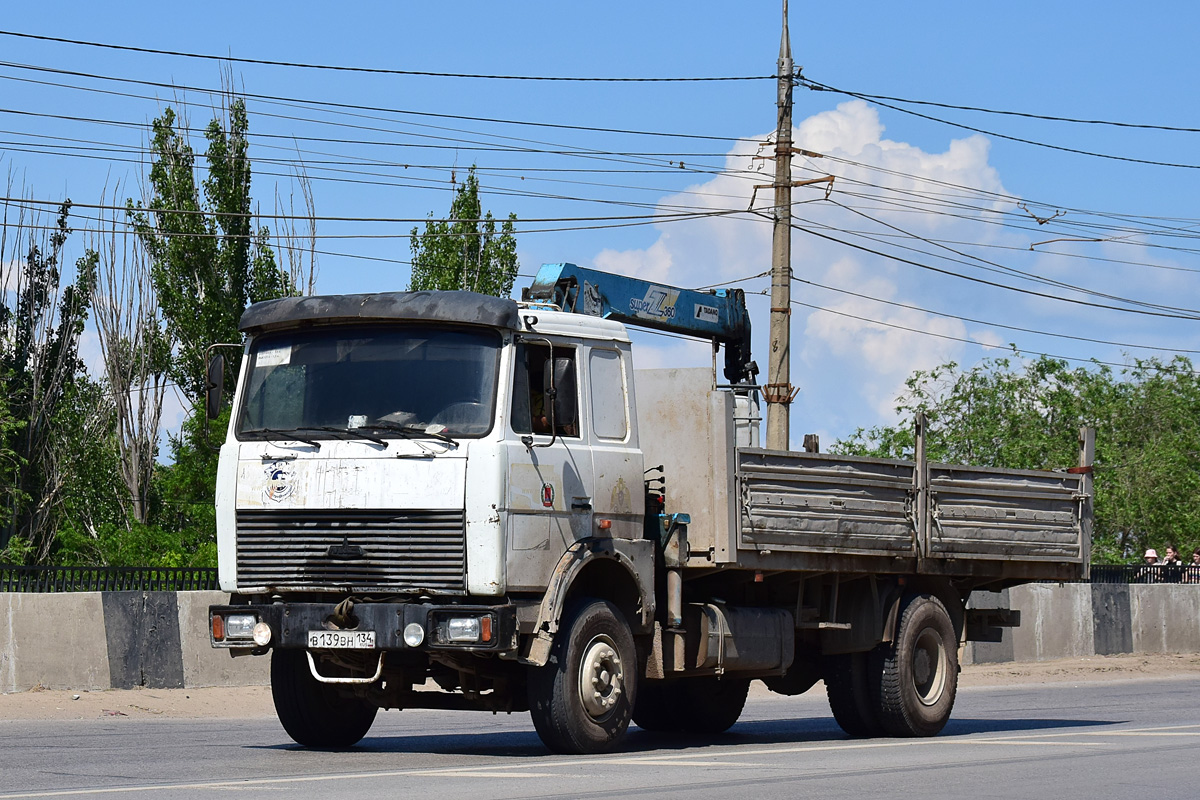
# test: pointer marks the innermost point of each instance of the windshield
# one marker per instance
(372, 381)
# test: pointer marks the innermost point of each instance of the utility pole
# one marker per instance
(779, 391)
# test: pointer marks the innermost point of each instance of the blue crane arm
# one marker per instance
(719, 315)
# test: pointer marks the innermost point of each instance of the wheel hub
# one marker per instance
(600, 677)
(929, 666)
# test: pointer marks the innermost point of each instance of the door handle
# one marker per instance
(581, 504)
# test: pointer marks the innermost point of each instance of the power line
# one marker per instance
(1017, 272)
(1025, 114)
(85, 146)
(992, 324)
(986, 282)
(308, 102)
(604, 223)
(380, 70)
(1129, 159)
(946, 315)
(948, 337)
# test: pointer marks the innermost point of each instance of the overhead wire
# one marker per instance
(1024, 114)
(1016, 272)
(381, 70)
(1021, 140)
(986, 282)
(341, 106)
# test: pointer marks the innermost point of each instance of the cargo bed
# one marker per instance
(816, 512)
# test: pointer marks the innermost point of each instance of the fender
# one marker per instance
(636, 557)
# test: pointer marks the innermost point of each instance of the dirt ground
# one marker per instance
(255, 701)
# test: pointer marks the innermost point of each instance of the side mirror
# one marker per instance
(559, 380)
(214, 385)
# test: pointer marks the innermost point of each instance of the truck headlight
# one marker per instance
(240, 626)
(465, 630)
(262, 634)
(462, 629)
(414, 634)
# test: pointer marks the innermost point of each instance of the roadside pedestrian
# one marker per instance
(1148, 573)
(1191, 573)
(1171, 568)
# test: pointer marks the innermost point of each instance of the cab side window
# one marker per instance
(531, 411)
(607, 381)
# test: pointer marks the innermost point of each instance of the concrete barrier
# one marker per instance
(53, 640)
(1056, 622)
(116, 640)
(204, 665)
(105, 640)
(1165, 619)
(1078, 620)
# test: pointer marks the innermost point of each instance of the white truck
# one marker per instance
(447, 500)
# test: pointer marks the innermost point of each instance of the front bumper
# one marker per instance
(290, 624)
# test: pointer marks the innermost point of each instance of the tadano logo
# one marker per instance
(659, 303)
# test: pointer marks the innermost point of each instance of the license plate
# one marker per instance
(341, 640)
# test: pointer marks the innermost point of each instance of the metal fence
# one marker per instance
(15, 578)
(1145, 573)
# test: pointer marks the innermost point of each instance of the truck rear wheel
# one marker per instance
(705, 705)
(657, 708)
(848, 678)
(713, 705)
(315, 714)
(918, 677)
(582, 700)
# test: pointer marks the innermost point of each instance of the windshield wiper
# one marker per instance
(411, 430)
(347, 433)
(263, 433)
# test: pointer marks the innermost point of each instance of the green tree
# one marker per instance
(208, 261)
(45, 385)
(1000, 414)
(465, 251)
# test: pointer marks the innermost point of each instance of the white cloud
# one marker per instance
(850, 365)
(175, 409)
(990, 339)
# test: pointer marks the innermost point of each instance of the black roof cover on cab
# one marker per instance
(466, 308)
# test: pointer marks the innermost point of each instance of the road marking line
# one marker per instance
(1036, 742)
(1144, 733)
(673, 762)
(655, 760)
(467, 773)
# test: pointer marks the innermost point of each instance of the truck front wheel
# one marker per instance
(315, 714)
(582, 700)
(918, 678)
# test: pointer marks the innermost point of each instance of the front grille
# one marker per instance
(351, 549)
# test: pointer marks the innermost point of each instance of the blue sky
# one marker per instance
(1094, 61)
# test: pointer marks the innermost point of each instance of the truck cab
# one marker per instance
(403, 477)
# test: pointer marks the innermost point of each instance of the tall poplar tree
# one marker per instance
(465, 251)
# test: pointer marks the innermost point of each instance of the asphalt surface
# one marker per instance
(1125, 738)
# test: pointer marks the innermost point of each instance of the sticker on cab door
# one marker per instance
(547, 495)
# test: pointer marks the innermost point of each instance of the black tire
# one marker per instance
(848, 679)
(713, 705)
(593, 651)
(706, 705)
(918, 677)
(315, 714)
(801, 676)
(657, 707)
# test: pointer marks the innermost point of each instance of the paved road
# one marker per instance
(1124, 739)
